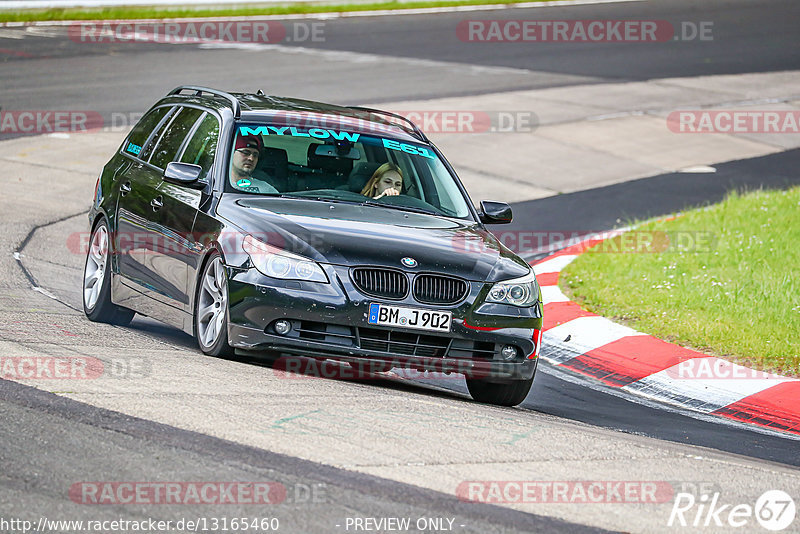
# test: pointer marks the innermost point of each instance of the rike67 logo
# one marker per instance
(774, 510)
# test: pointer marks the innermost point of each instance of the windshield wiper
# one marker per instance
(307, 197)
(323, 199)
(401, 208)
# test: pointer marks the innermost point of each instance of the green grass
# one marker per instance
(738, 297)
(174, 12)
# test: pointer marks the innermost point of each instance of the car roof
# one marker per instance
(299, 112)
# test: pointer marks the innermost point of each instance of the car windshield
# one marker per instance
(335, 165)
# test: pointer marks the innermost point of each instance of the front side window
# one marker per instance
(333, 164)
(202, 147)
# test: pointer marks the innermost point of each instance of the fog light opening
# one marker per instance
(509, 352)
(282, 327)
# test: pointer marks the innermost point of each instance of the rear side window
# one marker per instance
(142, 130)
(150, 144)
(202, 147)
(171, 141)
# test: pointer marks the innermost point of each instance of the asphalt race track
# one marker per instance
(379, 448)
(756, 39)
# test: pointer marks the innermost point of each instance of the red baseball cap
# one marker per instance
(249, 141)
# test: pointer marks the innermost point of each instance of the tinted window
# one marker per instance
(347, 166)
(168, 145)
(203, 145)
(149, 145)
(142, 130)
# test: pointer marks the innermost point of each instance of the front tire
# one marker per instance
(211, 309)
(507, 394)
(97, 303)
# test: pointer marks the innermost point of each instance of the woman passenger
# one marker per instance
(387, 180)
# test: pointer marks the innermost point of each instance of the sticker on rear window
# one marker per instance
(134, 149)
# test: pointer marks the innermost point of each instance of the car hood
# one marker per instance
(351, 234)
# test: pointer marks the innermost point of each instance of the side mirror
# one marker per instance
(185, 174)
(495, 212)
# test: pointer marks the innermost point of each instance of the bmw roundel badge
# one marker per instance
(409, 262)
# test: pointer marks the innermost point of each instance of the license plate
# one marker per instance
(431, 320)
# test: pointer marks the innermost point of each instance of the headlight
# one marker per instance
(522, 292)
(277, 263)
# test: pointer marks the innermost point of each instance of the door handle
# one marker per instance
(157, 203)
(125, 188)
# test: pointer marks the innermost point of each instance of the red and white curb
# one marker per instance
(621, 357)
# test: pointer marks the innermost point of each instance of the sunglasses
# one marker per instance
(248, 152)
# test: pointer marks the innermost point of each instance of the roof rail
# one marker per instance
(414, 127)
(198, 91)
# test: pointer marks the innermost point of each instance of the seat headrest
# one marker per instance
(361, 174)
(274, 164)
(328, 163)
(273, 156)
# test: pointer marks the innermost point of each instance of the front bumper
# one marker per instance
(330, 321)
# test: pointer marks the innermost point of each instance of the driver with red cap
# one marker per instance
(243, 166)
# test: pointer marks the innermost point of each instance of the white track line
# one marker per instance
(553, 294)
(622, 393)
(707, 395)
(365, 58)
(583, 335)
(554, 265)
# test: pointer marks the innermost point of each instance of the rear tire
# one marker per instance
(508, 394)
(211, 309)
(97, 303)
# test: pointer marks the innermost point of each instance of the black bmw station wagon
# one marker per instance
(265, 225)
